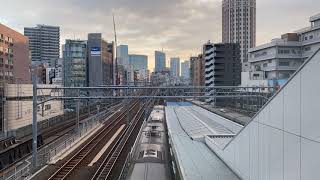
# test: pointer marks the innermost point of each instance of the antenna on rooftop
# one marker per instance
(116, 58)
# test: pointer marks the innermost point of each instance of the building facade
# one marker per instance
(99, 61)
(18, 113)
(75, 63)
(138, 62)
(185, 69)
(273, 63)
(175, 67)
(44, 43)
(222, 66)
(197, 65)
(14, 57)
(239, 26)
(160, 61)
(123, 56)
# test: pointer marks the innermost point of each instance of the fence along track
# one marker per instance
(105, 168)
(76, 159)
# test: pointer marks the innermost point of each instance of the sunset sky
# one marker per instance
(180, 27)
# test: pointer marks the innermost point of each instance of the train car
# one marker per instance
(150, 155)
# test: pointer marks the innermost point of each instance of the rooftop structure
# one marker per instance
(187, 127)
(282, 140)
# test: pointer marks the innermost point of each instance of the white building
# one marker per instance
(273, 63)
(18, 113)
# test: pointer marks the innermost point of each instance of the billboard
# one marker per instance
(95, 51)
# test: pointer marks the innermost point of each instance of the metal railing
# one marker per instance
(24, 169)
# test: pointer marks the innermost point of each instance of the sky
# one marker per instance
(179, 27)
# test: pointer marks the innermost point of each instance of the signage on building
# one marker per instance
(95, 51)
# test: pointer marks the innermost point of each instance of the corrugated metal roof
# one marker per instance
(194, 159)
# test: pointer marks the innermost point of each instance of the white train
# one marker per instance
(150, 154)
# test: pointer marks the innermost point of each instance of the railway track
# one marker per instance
(86, 152)
(118, 153)
(52, 135)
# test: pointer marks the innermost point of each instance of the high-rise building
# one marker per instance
(138, 62)
(14, 57)
(222, 66)
(44, 43)
(123, 56)
(239, 26)
(185, 69)
(160, 61)
(75, 63)
(197, 66)
(175, 67)
(99, 61)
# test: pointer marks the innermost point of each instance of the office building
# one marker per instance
(123, 56)
(197, 65)
(185, 69)
(160, 61)
(75, 64)
(14, 57)
(138, 62)
(99, 61)
(44, 43)
(175, 67)
(239, 26)
(222, 66)
(273, 63)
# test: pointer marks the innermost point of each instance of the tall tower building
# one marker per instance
(123, 56)
(239, 26)
(185, 69)
(175, 67)
(160, 61)
(99, 61)
(44, 44)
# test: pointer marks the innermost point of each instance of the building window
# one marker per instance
(47, 107)
(307, 48)
(284, 63)
(284, 51)
(311, 37)
(265, 65)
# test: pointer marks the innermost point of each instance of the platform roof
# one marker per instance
(194, 159)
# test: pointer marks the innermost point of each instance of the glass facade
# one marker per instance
(74, 56)
(138, 62)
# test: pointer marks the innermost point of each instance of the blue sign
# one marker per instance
(95, 51)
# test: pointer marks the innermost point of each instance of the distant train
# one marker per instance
(150, 155)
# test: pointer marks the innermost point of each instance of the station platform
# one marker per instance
(188, 127)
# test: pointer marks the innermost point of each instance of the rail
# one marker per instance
(108, 163)
(75, 160)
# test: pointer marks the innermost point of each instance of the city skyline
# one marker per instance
(145, 37)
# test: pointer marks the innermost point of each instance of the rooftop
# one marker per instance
(195, 159)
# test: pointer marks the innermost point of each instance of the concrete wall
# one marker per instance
(19, 113)
(283, 140)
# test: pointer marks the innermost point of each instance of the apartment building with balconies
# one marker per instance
(14, 57)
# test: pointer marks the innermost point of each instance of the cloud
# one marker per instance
(180, 27)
